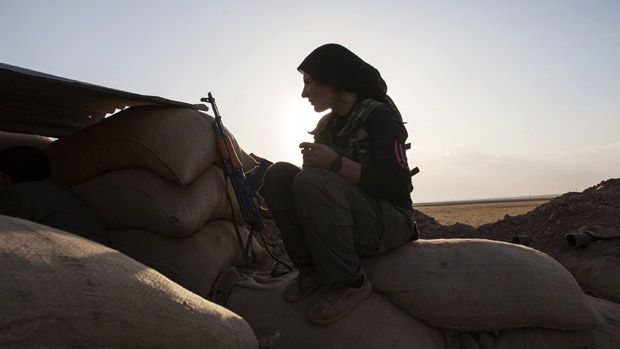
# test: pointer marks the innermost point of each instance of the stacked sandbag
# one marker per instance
(528, 338)
(470, 285)
(151, 174)
(194, 261)
(593, 214)
(376, 323)
(60, 290)
(591, 254)
(542, 338)
(140, 199)
(176, 143)
(609, 312)
(458, 293)
(489, 294)
(8, 139)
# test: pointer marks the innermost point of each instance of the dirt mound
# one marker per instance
(597, 205)
(431, 229)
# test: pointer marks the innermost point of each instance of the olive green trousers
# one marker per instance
(327, 222)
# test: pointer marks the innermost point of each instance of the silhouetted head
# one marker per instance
(337, 66)
(22, 163)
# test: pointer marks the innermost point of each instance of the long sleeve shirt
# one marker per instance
(387, 176)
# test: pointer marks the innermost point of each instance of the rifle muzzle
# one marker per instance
(579, 239)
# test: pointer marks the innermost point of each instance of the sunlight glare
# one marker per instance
(300, 118)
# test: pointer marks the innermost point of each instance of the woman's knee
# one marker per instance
(278, 176)
(311, 181)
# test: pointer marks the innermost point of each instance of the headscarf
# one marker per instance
(337, 66)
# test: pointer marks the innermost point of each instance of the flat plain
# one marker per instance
(477, 213)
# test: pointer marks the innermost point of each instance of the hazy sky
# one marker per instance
(501, 98)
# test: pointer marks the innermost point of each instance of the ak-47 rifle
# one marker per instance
(233, 169)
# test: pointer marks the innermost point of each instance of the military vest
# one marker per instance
(350, 140)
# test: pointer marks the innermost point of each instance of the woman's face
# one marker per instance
(321, 96)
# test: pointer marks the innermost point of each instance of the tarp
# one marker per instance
(37, 103)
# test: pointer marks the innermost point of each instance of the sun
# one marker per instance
(300, 119)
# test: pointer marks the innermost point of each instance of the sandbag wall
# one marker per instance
(453, 293)
(150, 174)
(8, 139)
(376, 323)
(496, 294)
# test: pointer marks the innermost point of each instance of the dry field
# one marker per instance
(478, 213)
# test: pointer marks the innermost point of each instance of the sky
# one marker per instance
(501, 98)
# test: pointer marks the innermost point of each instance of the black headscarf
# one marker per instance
(337, 66)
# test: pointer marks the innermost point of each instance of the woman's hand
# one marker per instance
(322, 156)
(317, 155)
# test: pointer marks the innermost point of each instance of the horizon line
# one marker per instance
(489, 200)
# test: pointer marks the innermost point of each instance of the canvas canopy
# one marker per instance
(32, 102)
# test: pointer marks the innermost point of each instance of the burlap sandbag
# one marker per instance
(176, 143)
(596, 267)
(376, 323)
(60, 290)
(8, 139)
(609, 312)
(140, 199)
(608, 337)
(480, 285)
(542, 338)
(528, 338)
(194, 261)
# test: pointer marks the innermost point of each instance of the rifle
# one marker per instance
(233, 169)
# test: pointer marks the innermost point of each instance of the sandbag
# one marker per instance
(607, 337)
(176, 143)
(480, 285)
(376, 323)
(194, 261)
(592, 213)
(50, 203)
(596, 267)
(609, 312)
(542, 338)
(140, 199)
(60, 290)
(528, 338)
(8, 139)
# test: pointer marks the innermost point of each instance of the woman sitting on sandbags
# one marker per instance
(352, 196)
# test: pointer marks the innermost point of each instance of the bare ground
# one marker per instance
(476, 214)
